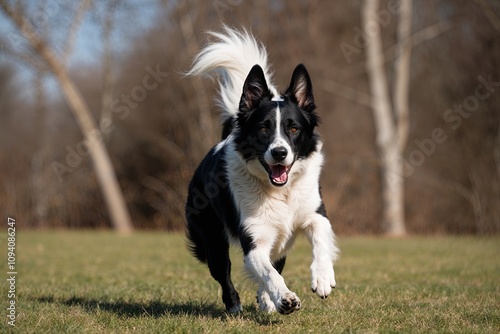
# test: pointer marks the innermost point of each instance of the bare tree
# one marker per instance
(391, 125)
(73, 29)
(107, 61)
(187, 30)
(105, 173)
(40, 195)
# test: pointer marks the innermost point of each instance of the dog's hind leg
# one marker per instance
(209, 244)
(219, 264)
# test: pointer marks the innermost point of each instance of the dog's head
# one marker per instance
(276, 131)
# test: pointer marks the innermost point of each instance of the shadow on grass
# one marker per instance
(157, 309)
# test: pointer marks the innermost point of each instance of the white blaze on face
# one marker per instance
(278, 99)
(279, 169)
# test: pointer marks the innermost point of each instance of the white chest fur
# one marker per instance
(271, 215)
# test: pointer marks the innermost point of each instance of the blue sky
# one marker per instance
(89, 39)
(134, 17)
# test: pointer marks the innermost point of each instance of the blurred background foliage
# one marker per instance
(157, 143)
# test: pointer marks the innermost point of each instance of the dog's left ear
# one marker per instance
(254, 89)
(300, 89)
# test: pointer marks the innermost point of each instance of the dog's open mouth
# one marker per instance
(278, 174)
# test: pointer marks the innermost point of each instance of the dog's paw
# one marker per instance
(265, 302)
(236, 309)
(289, 303)
(322, 279)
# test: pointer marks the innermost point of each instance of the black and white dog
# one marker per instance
(259, 186)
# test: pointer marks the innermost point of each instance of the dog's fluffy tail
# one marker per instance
(232, 56)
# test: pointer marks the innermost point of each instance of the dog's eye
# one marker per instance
(294, 129)
(263, 129)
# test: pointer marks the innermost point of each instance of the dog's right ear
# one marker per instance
(301, 89)
(254, 89)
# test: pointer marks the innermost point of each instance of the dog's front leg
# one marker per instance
(322, 238)
(258, 263)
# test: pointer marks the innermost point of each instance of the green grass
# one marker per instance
(97, 282)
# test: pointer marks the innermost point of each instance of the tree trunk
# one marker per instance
(205, 121)
(402, 74)
(39, 189)
(120, 217)
(103, 167)
(387, 137)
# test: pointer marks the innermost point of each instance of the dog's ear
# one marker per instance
(254, 89)
(300, 89)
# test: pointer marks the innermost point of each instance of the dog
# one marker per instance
(259, 187)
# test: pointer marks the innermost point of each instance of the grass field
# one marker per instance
(97, 282)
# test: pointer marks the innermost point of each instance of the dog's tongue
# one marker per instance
(278, 173)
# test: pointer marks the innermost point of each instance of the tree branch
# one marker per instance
(75, 24)
(347, 92)
(107, 66)
(489, 13)
(23, 57)
(430, 32)
(187, 30)
(416, 39)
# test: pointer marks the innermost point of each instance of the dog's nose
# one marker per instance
(279, 153)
